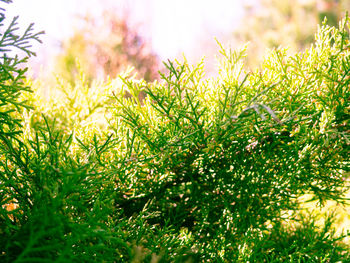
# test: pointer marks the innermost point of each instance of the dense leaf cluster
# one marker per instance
(200, 170)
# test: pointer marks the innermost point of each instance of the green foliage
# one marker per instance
(49, 208)
(11, 87)
(303, 242)
(201, 170)
(11, 75)
(224, 157)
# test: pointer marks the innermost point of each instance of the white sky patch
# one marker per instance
(174, 26)
(178, 25)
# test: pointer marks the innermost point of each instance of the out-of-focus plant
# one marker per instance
(106, 49)
(287, 23)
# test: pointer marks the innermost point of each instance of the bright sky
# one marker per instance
(173, 26)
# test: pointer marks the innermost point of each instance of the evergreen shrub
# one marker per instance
(200, 170)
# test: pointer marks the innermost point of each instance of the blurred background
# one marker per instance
(104, 37)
